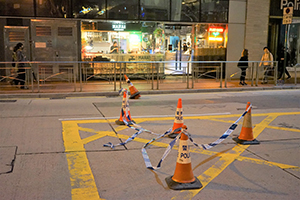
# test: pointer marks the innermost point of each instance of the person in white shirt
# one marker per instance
(267, 62)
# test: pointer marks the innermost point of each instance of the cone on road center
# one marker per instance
(183, 177)
(246, 135)
(178, 121)
(123, 111)
(134, 93)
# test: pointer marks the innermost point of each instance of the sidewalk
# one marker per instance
(105, 88)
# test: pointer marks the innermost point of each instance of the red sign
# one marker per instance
(216, 29)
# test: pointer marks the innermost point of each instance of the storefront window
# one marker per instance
(100, 38)
(151, 37)
(210, 36)
(151, 41)
(211, 42)
(214, 11)
(17, 8)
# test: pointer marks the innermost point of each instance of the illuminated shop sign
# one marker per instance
(119, 26)
(216, 31)
(216, 39)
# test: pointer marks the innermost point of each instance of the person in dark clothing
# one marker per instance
(21, 71)
(243, 65)
(281, 61)
(114, 48)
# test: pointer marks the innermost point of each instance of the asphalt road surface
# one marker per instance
(52, 149)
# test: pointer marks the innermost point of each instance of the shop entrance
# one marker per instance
(178, 45)
(198, 42)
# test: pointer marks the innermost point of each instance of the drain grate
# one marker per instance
(8, 101)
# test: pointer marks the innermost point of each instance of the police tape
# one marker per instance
(132, 125)
(223, 137)
(139, 129)
(204, 146)
(166, 153)
(109, 144)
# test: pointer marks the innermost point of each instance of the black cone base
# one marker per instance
(173, 135)
(135, 96)
(118, 122)
(245, 142)
(183, 186)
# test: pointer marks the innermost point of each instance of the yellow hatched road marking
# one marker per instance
(284, 129)
(224, 161)
(82, 179)
(271, 164)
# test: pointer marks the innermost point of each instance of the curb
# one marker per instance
(149, 92)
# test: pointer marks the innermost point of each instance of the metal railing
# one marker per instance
(98, 76)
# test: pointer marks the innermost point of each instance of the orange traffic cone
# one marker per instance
(183, 177)
(134, 93)
(178, 121)
(125, 104)
(246, 135)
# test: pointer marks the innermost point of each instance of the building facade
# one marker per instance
(198, 30)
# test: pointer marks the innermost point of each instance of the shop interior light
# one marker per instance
(217, 39)
(134, 38)
(88, 48)
(85, 10)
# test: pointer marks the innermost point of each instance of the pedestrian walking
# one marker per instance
(283, 63)
(267, 63)
(18, 54)
(243, 65)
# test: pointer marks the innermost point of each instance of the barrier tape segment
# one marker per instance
(224, 136)
(204, 146)
(125, 115)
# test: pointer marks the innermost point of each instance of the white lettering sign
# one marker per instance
(287, 3)
(119, 26)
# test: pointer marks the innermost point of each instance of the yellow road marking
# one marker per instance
(284, 129)
(82, 179)
(224, 161)
(271, 164)
(101, 134)
(92, 138)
